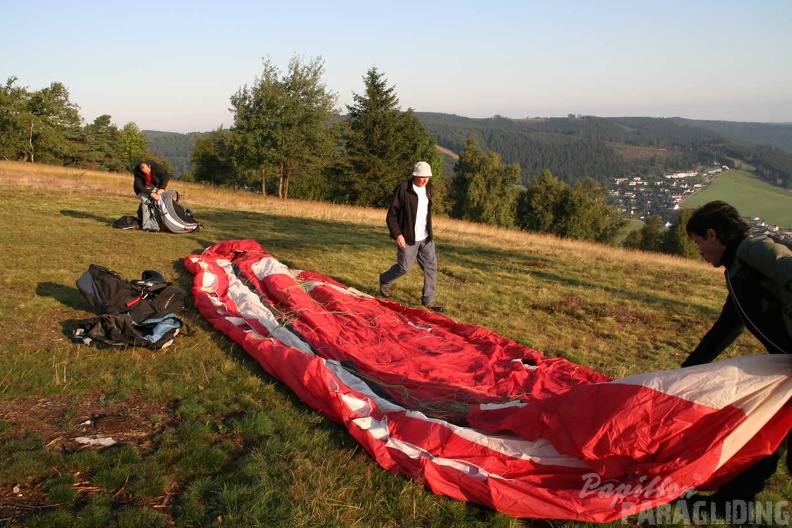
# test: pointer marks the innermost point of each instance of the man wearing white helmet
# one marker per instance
(409, 221)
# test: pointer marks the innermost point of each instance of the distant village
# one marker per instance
(639, 198)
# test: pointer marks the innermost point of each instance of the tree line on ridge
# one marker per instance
(44, 126)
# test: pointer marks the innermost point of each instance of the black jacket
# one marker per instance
(759, 279)
(402, 211)
(159, 178)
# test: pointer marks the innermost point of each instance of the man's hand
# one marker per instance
(155, 195)
(401, 242)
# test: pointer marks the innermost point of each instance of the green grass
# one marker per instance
(631, 225)
(750, 195)
(229, 443)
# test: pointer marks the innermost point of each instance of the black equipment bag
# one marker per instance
(127, 222)
(110, 294)
(120, 331)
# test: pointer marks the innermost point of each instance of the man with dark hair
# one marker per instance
(409, 222)
(151, 179)
(759, 281)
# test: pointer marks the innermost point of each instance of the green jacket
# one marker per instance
(759, 279)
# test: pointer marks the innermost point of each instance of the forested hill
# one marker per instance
(602, 148)
(772, 134)
(174, 147)
(578, 146)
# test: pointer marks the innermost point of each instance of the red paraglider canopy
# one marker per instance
(480, 418)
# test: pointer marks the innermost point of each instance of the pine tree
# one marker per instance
(103, 148)
(652, 233)
(381, 144)
(676, 241)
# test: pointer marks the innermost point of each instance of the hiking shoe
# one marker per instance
(434, 307)
(385, 289)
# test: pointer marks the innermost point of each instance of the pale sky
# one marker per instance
(173, 65)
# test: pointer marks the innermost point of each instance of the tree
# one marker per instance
(13, 120)
(45, 126)
(676, 241)
(211, 162)
(282, 123)
(537, 204)
(135, 145)
(381, 144)
(633, 239)
(54, 125)
(103, 146)
(586, 216)
(316, 180)
(484, 189)
(652, 233)
(41, 126)
(578, 212)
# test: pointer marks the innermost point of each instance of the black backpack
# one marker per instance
(142, 299)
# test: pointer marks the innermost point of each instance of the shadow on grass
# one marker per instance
(276, 233)
(82, 214)
(66, 295)
(280, 233)
(70, 297)
(625, 293)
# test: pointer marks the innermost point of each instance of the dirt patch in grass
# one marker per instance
(59, 422)
(575, 306)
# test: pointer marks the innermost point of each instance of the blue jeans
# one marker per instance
(424, 253)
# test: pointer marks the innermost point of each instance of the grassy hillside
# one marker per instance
(206, 437)
(750, 195)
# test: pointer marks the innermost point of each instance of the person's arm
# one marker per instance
(722, 334)
(164, 180)
(392, 218)
(138, 180)
(161, 176)
(139, 185)
(140, 188)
